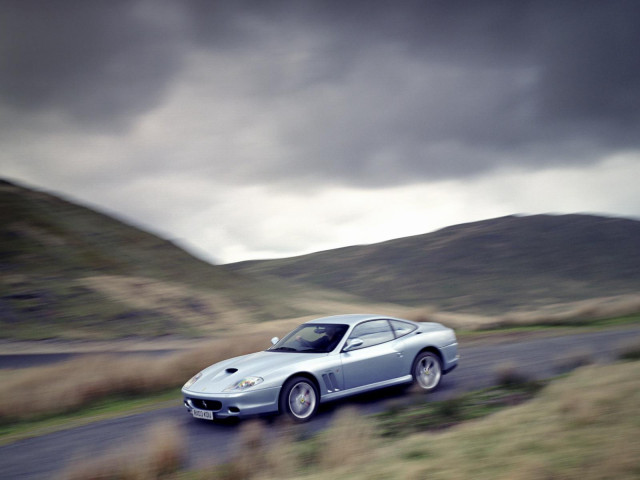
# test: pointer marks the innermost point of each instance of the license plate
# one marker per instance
(202, 414)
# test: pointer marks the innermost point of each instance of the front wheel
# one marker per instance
(427, 371)
(299, 399)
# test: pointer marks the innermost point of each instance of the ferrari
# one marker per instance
(324, 360)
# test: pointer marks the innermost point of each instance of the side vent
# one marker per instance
(231, 370)
(331, 382)
(334, 381)
(328, 382)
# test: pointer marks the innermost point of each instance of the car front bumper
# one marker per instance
(450, 357)
(242, 404)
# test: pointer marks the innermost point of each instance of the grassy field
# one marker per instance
(583, 426)
(564, 429)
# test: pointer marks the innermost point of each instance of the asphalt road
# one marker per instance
(14, 361)
(208, 442)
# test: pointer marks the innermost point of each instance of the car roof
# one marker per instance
(351, 319)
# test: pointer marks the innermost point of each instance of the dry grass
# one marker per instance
(214, 313)
(158, 454)
(584, 427)
(69, 385)
(252, 458)
(569, 314)
(193, 307)
(263, 452)
(280, 452)
(350, 440)
(574, 313)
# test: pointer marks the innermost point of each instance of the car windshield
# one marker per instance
(311, 338)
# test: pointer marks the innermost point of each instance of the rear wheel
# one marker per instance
(427, 371)
(299, 399)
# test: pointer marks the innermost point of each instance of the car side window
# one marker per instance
(372, 333)
(402, 328)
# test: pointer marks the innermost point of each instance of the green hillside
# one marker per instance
(487, 267)
(70, 272)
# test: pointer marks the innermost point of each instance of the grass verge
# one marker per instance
(67, 387)
(512, 331)
(583, 426)
(419, 416)
(541, 322)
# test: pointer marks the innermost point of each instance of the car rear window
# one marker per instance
(402, 328)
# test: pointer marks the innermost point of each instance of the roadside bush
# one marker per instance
(630, 350)
(509, 375)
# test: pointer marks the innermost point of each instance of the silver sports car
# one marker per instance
(323, 360)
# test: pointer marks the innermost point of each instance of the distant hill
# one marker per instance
(486, 267)
(69, 272)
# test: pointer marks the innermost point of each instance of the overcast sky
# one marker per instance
(260, 129)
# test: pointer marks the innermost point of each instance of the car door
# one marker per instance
(376, 360)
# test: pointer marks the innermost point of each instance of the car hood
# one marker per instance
(220, 376)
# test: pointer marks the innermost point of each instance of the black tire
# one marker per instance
(427, 371)
(299, 399)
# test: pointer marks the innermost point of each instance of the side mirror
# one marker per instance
(352, 343)
(274, 340)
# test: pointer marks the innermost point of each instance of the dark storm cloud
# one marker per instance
(504, 82)
(97, 62)
(377, 92)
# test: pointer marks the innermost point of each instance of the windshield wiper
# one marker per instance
(282, 349)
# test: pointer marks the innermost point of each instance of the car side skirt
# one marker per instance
(327, 397)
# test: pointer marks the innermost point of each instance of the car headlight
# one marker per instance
(245, 383)
(193, 380)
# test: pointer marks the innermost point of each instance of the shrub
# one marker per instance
(509, 375)
(630, 350)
